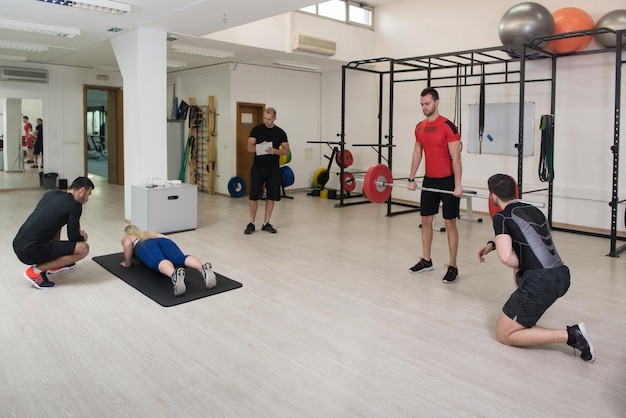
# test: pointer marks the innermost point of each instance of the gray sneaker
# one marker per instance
(178, 281)
(210, 281)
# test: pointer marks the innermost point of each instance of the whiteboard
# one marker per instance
(501, 130)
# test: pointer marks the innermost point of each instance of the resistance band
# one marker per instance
(481, 112)
(546, 159)
(458, 106)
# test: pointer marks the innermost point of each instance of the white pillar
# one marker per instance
(13, 129)
(142, 57)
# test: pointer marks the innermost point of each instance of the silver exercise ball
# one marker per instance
(524, 22)
(615, 20)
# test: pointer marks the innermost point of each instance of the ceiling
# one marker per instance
(188, 20)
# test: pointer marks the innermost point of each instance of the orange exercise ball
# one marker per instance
(493, 208)
(570, 19)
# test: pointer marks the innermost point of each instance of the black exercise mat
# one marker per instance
(158, 287)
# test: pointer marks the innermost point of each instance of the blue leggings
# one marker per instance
(154, 250)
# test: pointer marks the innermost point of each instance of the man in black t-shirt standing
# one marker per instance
(524, 243)
(38, 240)
(268, 142)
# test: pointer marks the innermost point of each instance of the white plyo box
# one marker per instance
(165, 209)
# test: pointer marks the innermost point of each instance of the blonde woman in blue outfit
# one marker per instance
(158, 252)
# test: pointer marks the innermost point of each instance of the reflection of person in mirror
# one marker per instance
(159, 253)
(28, 140)
(38, 148)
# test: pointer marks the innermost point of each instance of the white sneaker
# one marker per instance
(178, 281)
(210, 281)
(62, 269)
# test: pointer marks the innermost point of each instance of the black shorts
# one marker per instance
(429, 204)
(38, 147)
(42, 252)
(269, 176)
(537, 290)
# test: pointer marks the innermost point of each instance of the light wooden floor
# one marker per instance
(329, 323)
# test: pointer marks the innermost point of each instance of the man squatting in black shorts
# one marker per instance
(524, 243)
(266, 167)
(38, 240)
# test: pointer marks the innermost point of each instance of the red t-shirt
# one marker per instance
(434, 137)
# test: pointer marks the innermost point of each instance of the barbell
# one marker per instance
(378, 183)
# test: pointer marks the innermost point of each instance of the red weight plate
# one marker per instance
(348, 182)
(493, 208)
(347, 158)
(377, 193)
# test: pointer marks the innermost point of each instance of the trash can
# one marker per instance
(50, 180)
(62, 184)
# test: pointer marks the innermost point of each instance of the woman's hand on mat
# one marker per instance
(125, 264)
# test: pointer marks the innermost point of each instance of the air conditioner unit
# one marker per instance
(310, 44)
(21, 74)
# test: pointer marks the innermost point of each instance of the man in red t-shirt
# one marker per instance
(28, 139)
(440, 142)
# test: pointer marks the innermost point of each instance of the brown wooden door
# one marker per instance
(113, 145)
(115, 124)
(248, 116)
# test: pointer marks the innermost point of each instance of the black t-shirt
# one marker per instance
(529, 231)
(55, 210)
(275, 135)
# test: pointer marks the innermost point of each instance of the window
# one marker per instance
(348, 11)
(360, 14)
(334, 9)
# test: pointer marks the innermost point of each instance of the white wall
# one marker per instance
(200, 84)
(296, 96)
(352, 42)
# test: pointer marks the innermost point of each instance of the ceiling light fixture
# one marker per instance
(104, 6)
(20, 46)
(176, 64)
(297, 65)
(12, 58)
(193, 50)
(38, 28)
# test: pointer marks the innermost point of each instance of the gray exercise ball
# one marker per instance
(615, 20)
(524, 22)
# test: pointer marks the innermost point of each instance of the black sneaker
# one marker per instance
(178, 281)
(249, 229)
(451, 275)
(581, 343)
(422, 266)
(269, 228)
